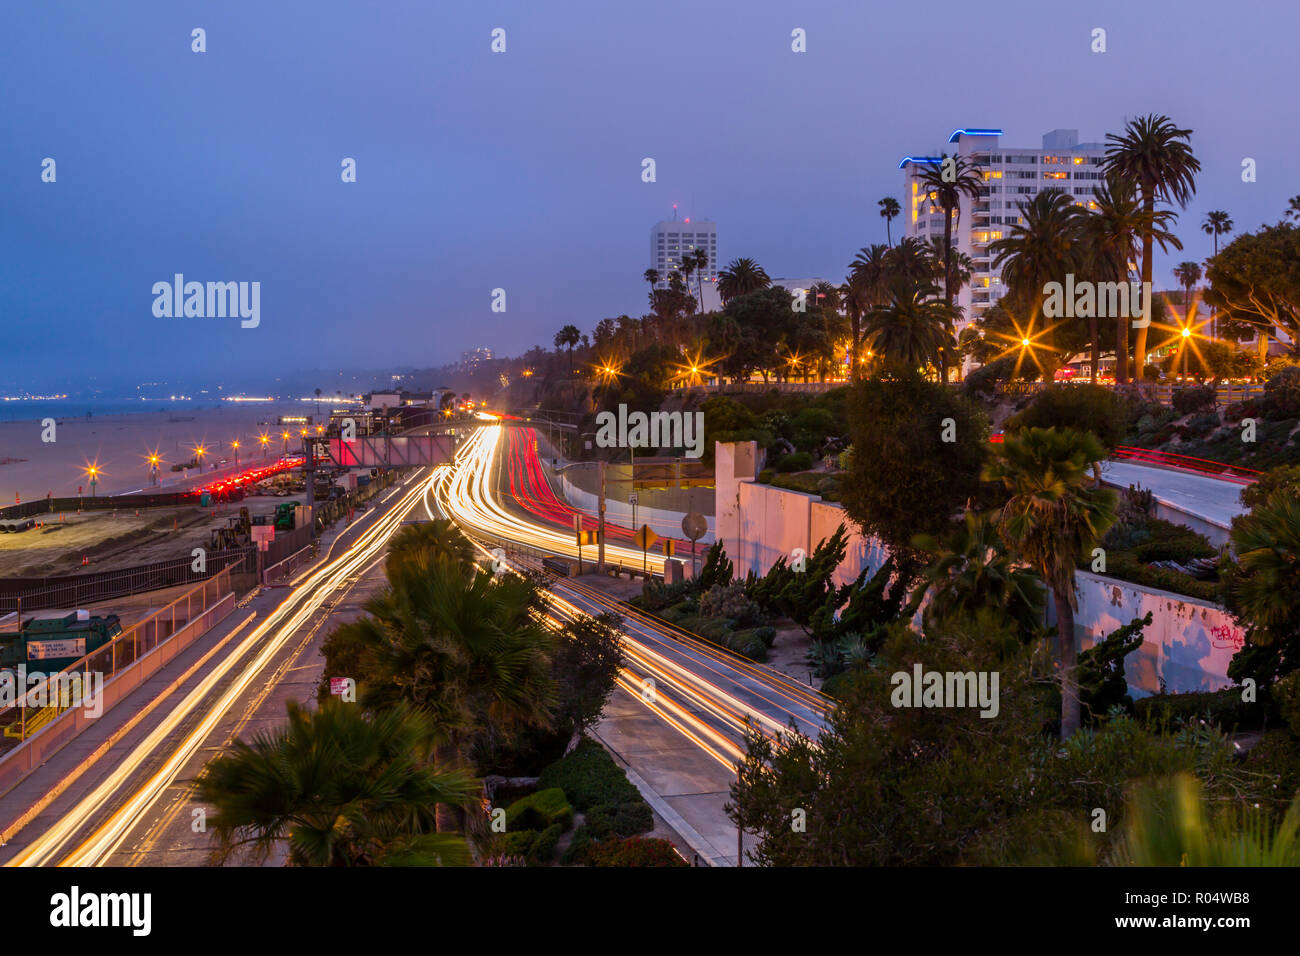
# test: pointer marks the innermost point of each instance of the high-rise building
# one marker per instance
(1012, 175)
(670, 241)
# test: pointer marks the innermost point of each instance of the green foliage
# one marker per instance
(610, 821)
(1286, 693)
(1263, 590)
(800, 595)
(1284, 479)
(717, 568)
(730, 601)
(1090, 408)
(635, 851)
(589, 777)
(866, 603)
(585, 665)
(427, 849)
(912, 482)
(1194, 398)
(1102, 684)
(982, 383)
(539, 810)
(543, 847)
(796, 461)
(1223, 709)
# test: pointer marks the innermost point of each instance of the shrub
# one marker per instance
(1276, 758)
(576, 853)
(635, 851)
(730, 601)
(513, 843)
(589, 777)
(766, 475)
(543, 847)
(1284, 478)
(1282, 394)
(1223, 708)
(540, 810)
(1125, 567)
(624, 820)
(1089, 408)
(1198, 426)
(1196, 398)
(749, 643)
(1286, 692)
(982, 383)
(796, 461)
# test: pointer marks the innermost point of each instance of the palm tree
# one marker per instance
(889, 210)
(1053, 518)
(911, 326)
(974, 570)
(741, 277)
(1156, 157)
(863, 290)
(911, 261)
(468, 649)
(335, 784)
(701, 264)
(945, 183)
(1187, 274)
(1110, 243)
(570, 336)
(318, 394)
(1263, 589)
(436, 539)
(1217, 223)
(1041, 248)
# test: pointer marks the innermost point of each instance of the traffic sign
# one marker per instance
(694, 526)
(645, 537)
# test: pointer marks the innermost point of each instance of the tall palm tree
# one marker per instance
(336, 785)
(1264, 586)
(1187, 274)
(863, 290)
(1042, 247)
(911, 261)
(889, 211)
(1156, 157)
(741, 277)
(946, 183)
(1217, 223)
(570, 336)
(911, 325)
(1111, 241)
(1053, 518)
(436, 539)
(701, 264)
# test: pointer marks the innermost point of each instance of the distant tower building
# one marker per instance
(474, 358)
(671, 240)
(1012, 174)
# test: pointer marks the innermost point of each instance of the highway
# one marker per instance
(1202, 496)
(704, 691)
(239, 671)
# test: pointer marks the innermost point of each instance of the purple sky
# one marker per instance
(522, 170)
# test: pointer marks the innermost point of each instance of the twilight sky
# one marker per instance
(521, 170)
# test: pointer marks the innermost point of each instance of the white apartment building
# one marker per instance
(1012, 174)
(670, 241)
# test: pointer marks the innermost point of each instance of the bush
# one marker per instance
(589, 777)
(513, 843)
(982, 383)
(796, 461)
(543, 848)
(1089, 408)
(1282, 394)
(730, 601)
(1198, 426)
(1223, 708)
(1196, 398)
(624, 820)
(1284, 479)
(1286, 692)
(540, 810)
(636, 851)
(1125, 567)
(576, 853)
(1276, 758)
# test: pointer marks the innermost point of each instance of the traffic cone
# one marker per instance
(85, 560)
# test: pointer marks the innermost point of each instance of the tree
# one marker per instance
(336, 785)
(741, 277)
(904, 478)
(586, 663)
(1111, 240)
(1187, 274)
(570, 336)
(438, 539)
(863, 291)
(1263, 589)
(318, 394)
(945, 183)
(911, 326)
(1156, 157)
(701, 264)
(1053, 518)
(1217, 223)
(889, 211)
(1256, 281)
(973, 570)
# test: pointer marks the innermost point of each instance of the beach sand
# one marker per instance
(119, 446)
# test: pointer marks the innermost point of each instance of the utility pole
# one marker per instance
(309, 469)
(600, 524)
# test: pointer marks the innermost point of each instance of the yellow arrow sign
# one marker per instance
(645, 537)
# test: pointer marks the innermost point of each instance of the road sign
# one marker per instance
(645, 537)
(694, 526)
(670, 547)
(585, 537)
(631, 499)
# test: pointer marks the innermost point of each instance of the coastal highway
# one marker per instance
(707, 693)
(118, 803)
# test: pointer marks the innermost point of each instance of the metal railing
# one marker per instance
(121, 652)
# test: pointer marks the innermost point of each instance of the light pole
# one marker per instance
(264, 438)
(235, 445)
(93, 472)
(153, 468)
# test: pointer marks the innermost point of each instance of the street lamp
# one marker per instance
(199, 452)
(92, 471)
(264, 438)
(235, 445)
(153, 468)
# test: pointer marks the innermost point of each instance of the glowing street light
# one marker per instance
(92, 472)
(235, 445)
(264, 439)
(154, 459)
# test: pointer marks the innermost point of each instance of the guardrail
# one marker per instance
(1189, 463)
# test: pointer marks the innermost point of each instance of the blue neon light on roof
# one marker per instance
(973, 132)
(924, 160)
